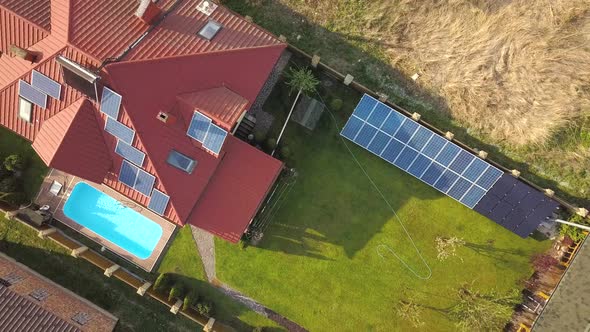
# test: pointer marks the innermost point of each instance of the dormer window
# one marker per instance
(210, 30)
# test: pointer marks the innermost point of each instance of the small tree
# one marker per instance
(543, 262)
(411, 312)
(190, 299)
(205, 308)
(447, 247)
(574, 233)
(303, 81)
(163, 282)
(14, 163)
(176, 292)
(336, 104)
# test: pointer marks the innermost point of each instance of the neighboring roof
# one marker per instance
(53, 309)
(250, 173)
(221, 104)
(36, 11)
(569, 306)
(74, 133)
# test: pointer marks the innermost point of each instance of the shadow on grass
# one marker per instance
(375, 73)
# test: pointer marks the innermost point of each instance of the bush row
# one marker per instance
(176, 289)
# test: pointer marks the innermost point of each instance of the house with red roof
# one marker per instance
(143, 97)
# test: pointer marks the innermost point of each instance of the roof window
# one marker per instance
(181, 161)
(210, 30)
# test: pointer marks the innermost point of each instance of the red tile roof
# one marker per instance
(228, 214)
(35, 11)
(222, 105)
(74, 133)
(150, 67)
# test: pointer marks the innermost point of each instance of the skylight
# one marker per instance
(210, 30)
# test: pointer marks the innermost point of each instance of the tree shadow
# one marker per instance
(498, 254)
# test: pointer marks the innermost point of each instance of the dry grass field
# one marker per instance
(514, 73)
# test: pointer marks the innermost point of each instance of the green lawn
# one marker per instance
(135, 313)
(318, 262)
(183, 260)
(35, 171)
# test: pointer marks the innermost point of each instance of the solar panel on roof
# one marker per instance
(110, 103)
(158, 202)
(130, 153)
(136, 178)
(422, 153)
(215, 138)
(119, 130)
(199, 127)
(128, 174)
(46, 85)
(31, 94)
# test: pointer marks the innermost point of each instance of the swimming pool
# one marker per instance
(113, 221)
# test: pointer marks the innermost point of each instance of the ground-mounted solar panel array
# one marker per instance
(419, 151)
(447, 167)
(205, 131)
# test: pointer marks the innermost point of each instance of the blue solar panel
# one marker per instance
(365, 135)
(352, 128)
(463, 160)
(119, 130)
(420, 152)
(158, 202)
(459, 188)
(379, 115)
(128, 174)
(473, 196)
(199, 127)
(448, 154)
(419, 166)
(365, 107)
(31, 94)
(392, 150)
(215, 138)
(489, 177)
(130, 153)
(46, 85)
(446, 180)
(144, 183)
(379, 143)
(474, 170)
(420, 138)
(110, 103)
(392, 123)
(432, 173)
(406, 158)
(406, 131)
(433, 147)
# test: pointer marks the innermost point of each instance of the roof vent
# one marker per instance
(207, 7)
(23, 53)
(147, 11)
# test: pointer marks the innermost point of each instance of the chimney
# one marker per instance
(147, 11)
(23, 53)
(167, 118)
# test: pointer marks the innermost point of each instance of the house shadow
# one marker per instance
(334, 214)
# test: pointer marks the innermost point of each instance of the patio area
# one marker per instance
(57, 201)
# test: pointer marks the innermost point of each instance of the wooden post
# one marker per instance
(77, 252)
(348, 79)
(482, 154)
(176, 307)
(582, 212)
(315, 61)
(515, 173)
(416, 116)
(283, 38)
(141, 290)
(449, 135)
(549, 192)
(209, 326)
(109, 272)
(382, 97)
(43, 233)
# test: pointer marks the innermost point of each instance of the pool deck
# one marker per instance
(57, 203)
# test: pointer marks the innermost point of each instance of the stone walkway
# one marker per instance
(206, 247)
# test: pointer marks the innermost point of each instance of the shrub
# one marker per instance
(574, 233)
(190, 299)
(8, 185)
(271, 144)
(163, 282)
(205, 308)
(259, 137)
(543, 262)
(285, 151)
(14, 163)
(4, 173)
(242, 244)
(336, 104)
(258, 329)
(176, 292)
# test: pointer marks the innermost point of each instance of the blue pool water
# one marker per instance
(112, 220)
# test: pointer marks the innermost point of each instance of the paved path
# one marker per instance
(206, 247)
